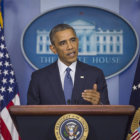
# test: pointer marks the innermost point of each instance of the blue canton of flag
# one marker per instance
(8, 93)
(135, 94)
(8, 85)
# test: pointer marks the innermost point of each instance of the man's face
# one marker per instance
(66, 46)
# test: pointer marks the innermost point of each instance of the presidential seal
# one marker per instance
(71, 127)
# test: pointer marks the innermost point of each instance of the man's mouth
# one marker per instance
(71, 54)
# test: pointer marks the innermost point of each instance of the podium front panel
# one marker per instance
(103, 124)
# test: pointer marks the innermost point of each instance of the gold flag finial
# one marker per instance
(1, 19)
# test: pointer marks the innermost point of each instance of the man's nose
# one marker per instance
(69, 45)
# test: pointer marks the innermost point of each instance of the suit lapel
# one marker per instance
(78, 84)
(56, 84)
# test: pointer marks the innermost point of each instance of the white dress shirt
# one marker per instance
(62, 71)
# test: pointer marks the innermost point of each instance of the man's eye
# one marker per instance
(73, 39)
(62, 43)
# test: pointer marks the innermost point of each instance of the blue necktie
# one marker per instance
(68, 86)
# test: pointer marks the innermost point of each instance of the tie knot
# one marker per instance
(68, 70)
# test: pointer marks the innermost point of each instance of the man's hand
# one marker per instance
(92, 95)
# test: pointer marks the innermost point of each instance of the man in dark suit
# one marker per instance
(48, 85)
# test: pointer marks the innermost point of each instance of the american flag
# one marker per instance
(135, 94)
(8, 93)
(136, 134)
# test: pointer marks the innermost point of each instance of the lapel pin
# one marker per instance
(82, 77)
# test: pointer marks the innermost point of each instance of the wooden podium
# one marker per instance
(106, 122)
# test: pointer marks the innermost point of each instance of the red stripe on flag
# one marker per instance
(10, 104)
(19, 138)
(136, 137)
(4, 131)
(135, 134)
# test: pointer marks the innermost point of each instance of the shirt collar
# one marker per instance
(62, 67)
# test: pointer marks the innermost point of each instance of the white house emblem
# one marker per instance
(106, 40)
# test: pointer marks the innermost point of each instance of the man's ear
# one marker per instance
(53, 49)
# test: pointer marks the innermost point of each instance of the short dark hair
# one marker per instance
(57, 28)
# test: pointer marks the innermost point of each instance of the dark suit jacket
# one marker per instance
(45, 85)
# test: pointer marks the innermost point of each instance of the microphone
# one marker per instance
(68, 102)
